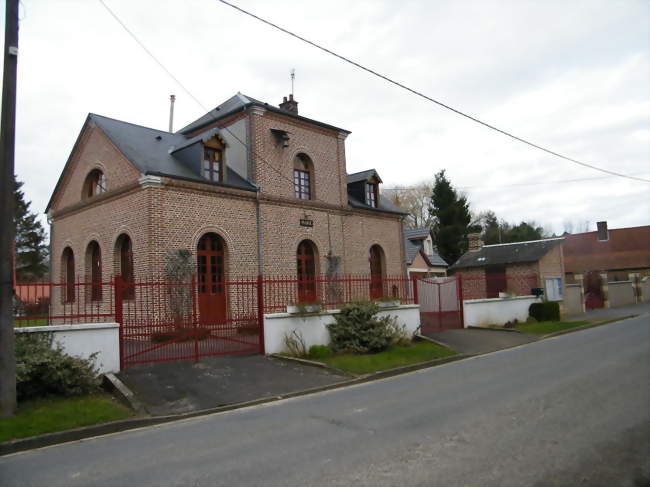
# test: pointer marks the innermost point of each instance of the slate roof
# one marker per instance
(240, 102)
(385, 205)
(414, 243)
(626, 248)
(503, 254)
(148, 150)
(363, 176)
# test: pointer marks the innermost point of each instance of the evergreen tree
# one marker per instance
(31, 246)
(451, 219)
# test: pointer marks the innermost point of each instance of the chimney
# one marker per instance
(172, 99)
(603, 234)
(475, 242)
(289, 105)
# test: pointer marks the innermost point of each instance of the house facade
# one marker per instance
(610, 266)
(515, 268)
(247, 189)
(422, 258)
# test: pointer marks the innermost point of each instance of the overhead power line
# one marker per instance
(187, 91)
(422, 95)
(406, 187)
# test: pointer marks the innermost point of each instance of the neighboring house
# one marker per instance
(488, 270)
(247, 189)
(422, 259)
(622, 253)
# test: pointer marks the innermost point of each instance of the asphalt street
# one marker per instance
(568, 411)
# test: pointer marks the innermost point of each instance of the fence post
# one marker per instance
(459, 283)
(416, 297)
(194, 320)
(118, 290)
(260, 312)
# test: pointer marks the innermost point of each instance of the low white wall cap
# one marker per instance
(494, 300)
(51, 328)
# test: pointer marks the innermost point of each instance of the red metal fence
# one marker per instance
(162, 320)
(332, 292)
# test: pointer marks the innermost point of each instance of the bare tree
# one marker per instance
(415, 200)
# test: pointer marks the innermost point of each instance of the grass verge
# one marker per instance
(545, 327)
(57, 414)
(388, 359)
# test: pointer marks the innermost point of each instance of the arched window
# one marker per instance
(306, 258)
(376, 260)
(67, 267)
(95, 184)
(124, 250)
(94, 266)
(211, 273)
(303, 171)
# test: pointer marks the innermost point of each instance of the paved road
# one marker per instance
(573, 410)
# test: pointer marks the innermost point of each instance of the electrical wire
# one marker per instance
(517, 184)
(188, 92)
(422, 95)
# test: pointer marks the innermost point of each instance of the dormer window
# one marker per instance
(95, 184)
(372, 196)
(213, 164)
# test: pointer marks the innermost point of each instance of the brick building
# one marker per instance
(515, 267)
(246, 189)
(422, 258)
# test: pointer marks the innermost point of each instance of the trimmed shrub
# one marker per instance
(320, 351)
(545, 311)
(358, 330)
(42, 370)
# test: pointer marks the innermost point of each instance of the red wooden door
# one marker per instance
(376, 273)
(211, 279)
(306, 272)
(496, 281)
(594, 290)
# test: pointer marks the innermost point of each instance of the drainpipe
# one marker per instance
(260, 240)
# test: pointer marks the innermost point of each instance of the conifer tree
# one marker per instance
(31, 246)
(451, 219)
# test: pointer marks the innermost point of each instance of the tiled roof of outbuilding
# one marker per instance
(510, 253)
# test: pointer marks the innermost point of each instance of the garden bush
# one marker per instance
(545, 311)
(358, 330)
(42, 370)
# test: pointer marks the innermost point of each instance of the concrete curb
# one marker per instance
(88, 432)
(591, 325)
(436, 342)
(509, 330)
(125, 395)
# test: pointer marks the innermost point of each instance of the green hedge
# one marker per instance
(545, 311)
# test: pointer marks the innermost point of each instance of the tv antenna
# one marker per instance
(293, 77)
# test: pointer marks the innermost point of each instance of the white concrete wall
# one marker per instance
(621, 293)
(313, 328)
(496, 311)
(84, 340)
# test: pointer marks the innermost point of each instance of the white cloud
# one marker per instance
(570, 76)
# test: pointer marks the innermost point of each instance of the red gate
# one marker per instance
(162, 321)
(440, 302)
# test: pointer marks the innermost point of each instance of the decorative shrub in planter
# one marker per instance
(304, 308)
(387, 302)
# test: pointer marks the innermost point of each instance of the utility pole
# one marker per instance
(8, 135)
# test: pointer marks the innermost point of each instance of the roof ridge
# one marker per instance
(525, 242)
(93, 115)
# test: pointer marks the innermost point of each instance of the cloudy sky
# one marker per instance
(572, 76)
